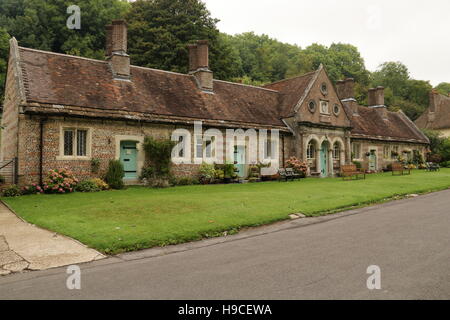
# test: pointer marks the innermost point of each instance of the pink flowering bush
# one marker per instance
(59, 181)
(298, 166)
(32, 189)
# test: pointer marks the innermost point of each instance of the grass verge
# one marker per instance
(138, 217)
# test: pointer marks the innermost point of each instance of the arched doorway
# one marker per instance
(324, 171)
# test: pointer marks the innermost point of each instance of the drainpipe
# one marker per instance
(41, 150)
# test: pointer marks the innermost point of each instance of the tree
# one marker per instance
(439, 146)
(443, 88)
(41, 24)
(4, 47)
(394, 75)
(159, 31)
(340, 60)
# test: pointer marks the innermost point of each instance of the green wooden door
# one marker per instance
(324, 160)
(128, 157)
(373, 161)
(239, 160)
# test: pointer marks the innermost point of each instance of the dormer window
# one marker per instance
(324, 107)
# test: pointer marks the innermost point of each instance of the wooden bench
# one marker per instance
(433, 166)
(283, 175)
(350, 171)
(400, 169)
(290, 172)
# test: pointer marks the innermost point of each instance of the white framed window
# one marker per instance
(209, 147)
(394, 152)
(199, 146)
(268, 149)
(182, 151)
(205, 148)
(324, 107)
(356, 150)
(387, 152)
(336, 151)
(311, 150)
(75, 143)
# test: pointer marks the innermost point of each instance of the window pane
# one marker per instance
(68, 142)
(208, 151)
(181, 146)
(199, 147)
(81, 142)
(268, 151)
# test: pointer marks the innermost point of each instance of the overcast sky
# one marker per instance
(415, 32)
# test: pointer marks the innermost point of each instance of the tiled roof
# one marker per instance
(291, 90)
(66, 80)
(441, 117)
(368, 123)
(57, 79)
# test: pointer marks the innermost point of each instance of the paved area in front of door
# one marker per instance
(26, 247)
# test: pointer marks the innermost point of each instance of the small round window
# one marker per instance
(312, 106)
(336, 109)
(324, 88)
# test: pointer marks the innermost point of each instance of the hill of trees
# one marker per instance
(160, 29)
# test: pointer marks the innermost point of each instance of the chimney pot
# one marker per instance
(376, 100)
(372, 97)
(109, 29)
(433, 100)
(345, 88)
(116, 49)
(380, 96)
(202, 54)
(199, 65)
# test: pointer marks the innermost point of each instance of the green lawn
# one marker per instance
(136, 218)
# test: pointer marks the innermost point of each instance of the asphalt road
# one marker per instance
(408, 239)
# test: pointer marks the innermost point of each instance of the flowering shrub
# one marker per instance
(101, 184)
(59, 181)
(32, 189)
(207, 173)
(297, 165)
(87, 186)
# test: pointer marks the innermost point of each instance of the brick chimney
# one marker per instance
(433, 100)
(376, 100)
(199, 65)
(116, 49)
(346, 88)
(346, 93)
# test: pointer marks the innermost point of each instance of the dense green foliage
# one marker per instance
(114, 175)
(87, 186)
(159, 153)
(4, 46)
(137, 218)
(439, 146)
(402, 92)
(12, 191)
(159, 31)
(443, 88)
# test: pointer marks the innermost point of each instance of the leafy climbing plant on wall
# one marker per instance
(159, 155)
